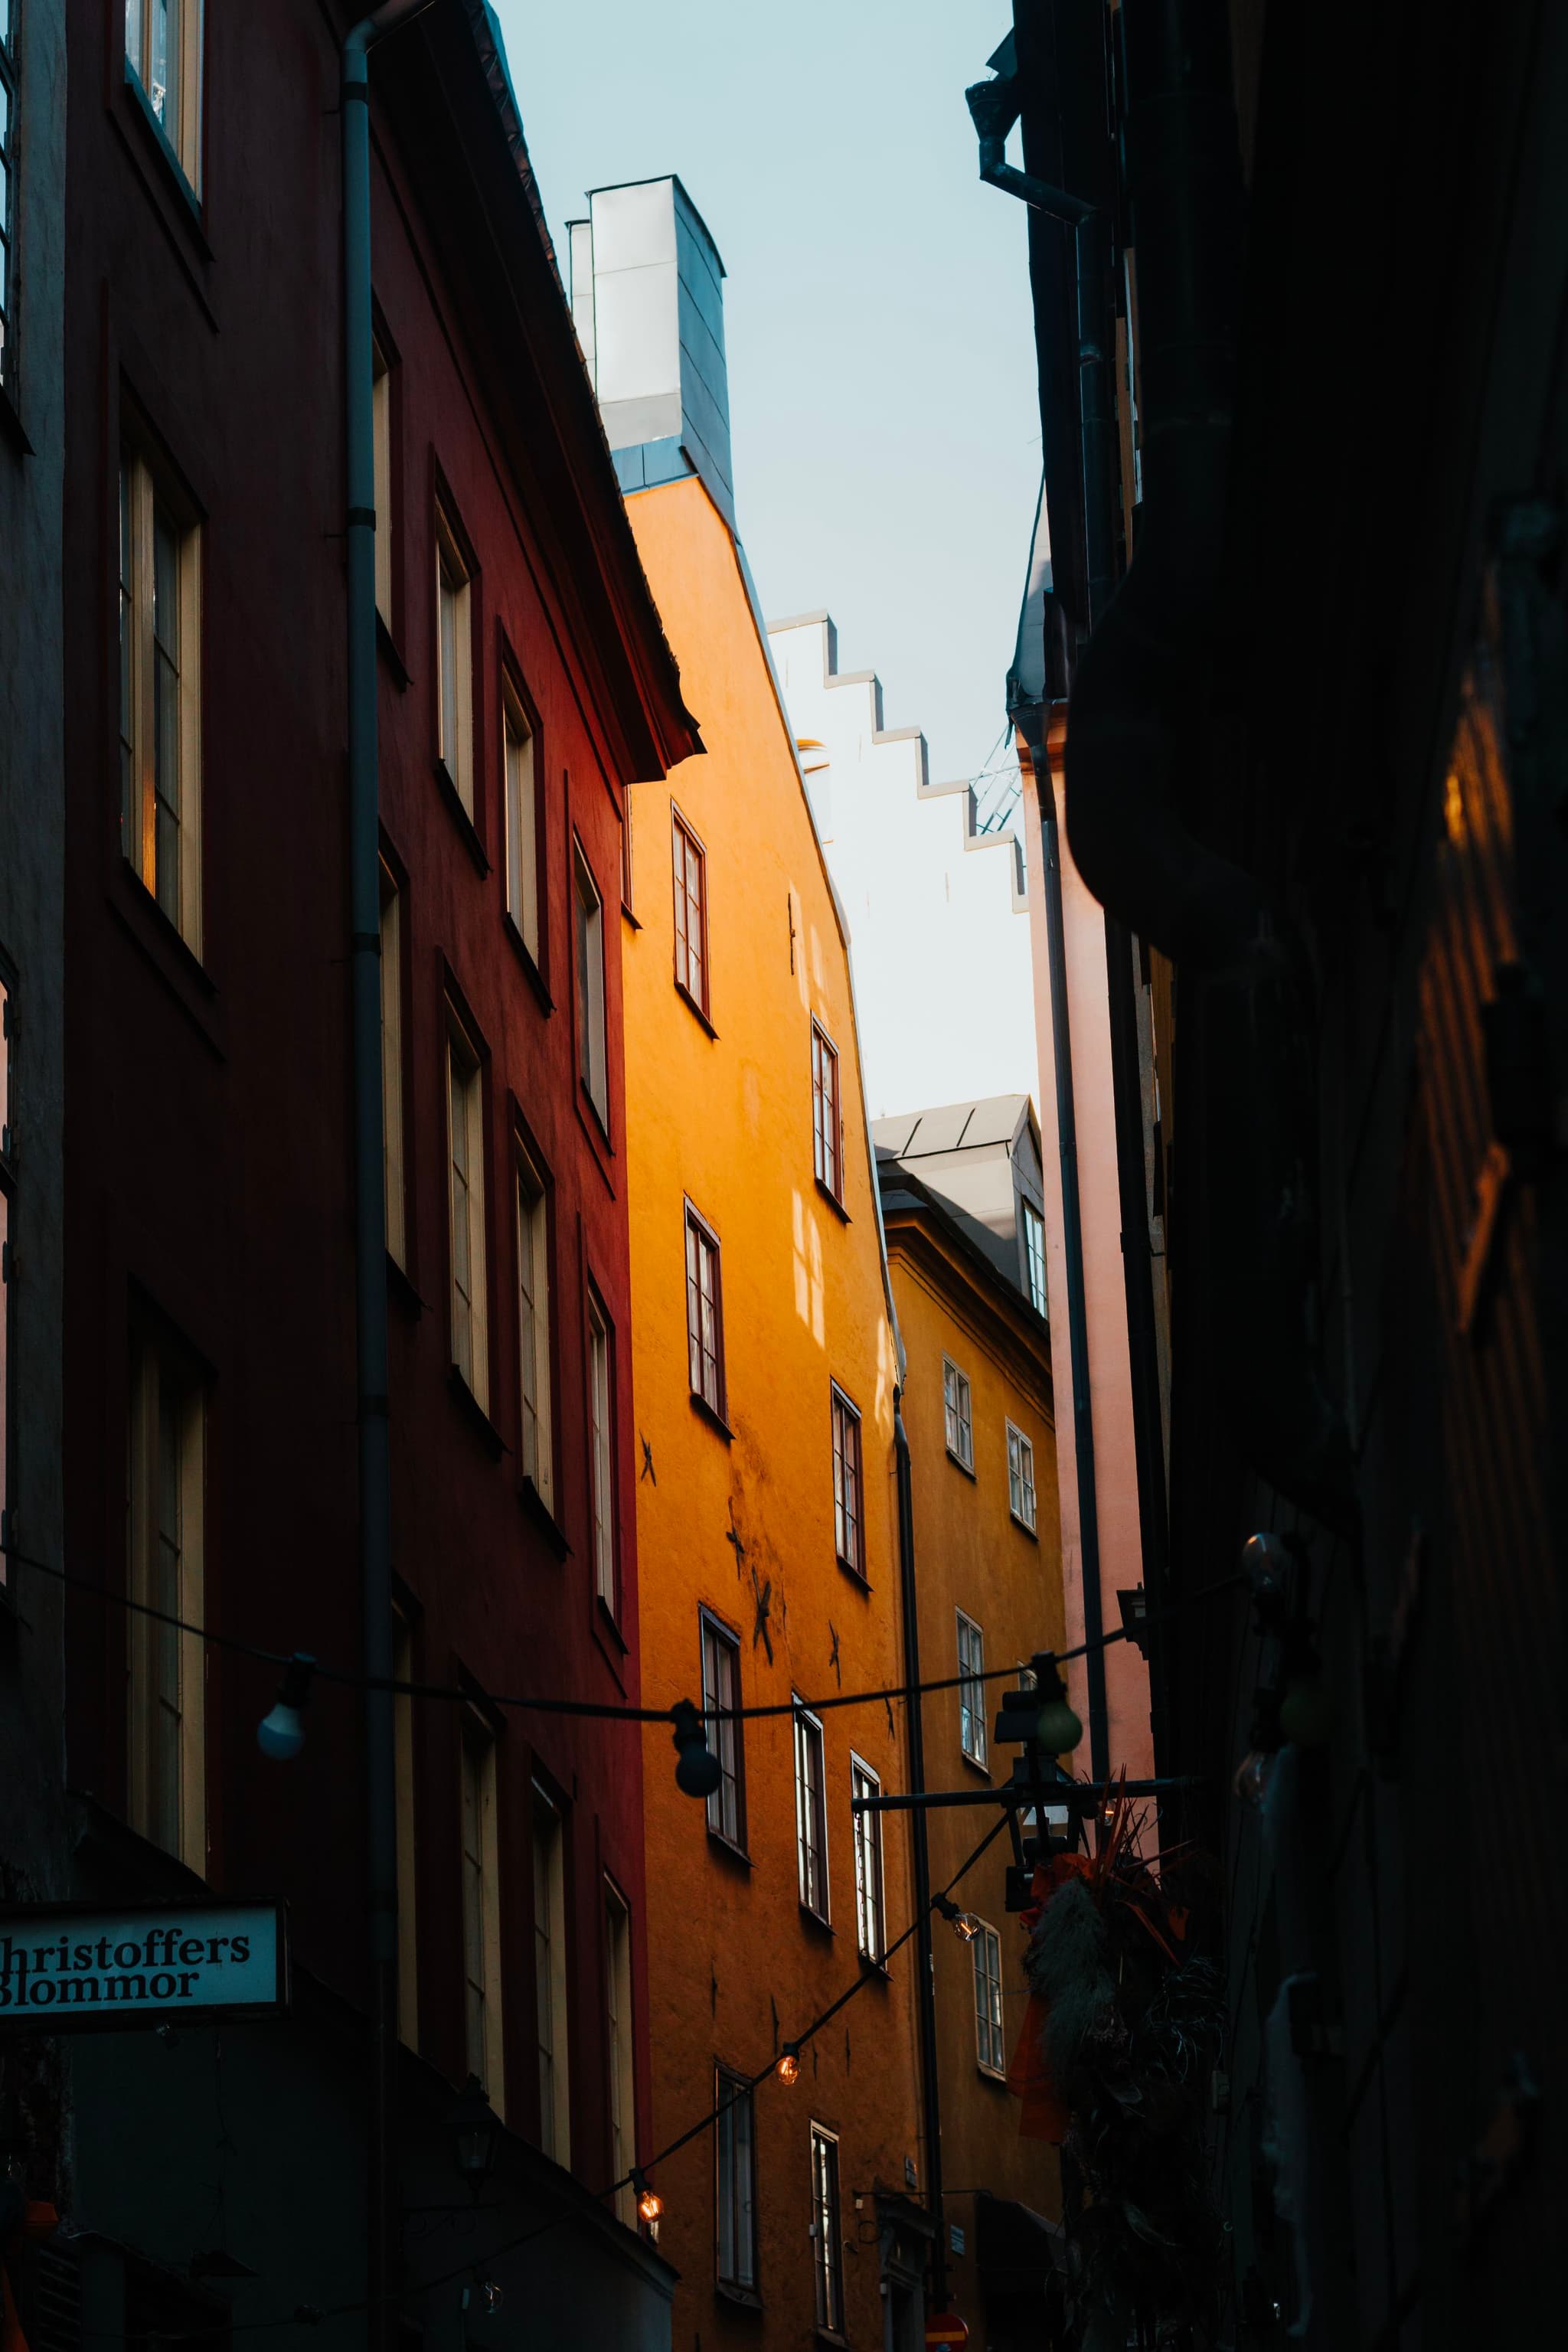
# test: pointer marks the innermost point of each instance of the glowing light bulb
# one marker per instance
(650, 2204)
(788, 2068)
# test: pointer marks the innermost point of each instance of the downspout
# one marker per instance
(370, 1200)
(925, 1962)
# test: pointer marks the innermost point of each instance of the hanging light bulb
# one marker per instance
(788, 2068)
(280, 1734)
(650, 2204)
(698, 1773)
(968, 1926)
(1058, 1729)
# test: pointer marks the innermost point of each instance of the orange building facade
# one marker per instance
(764, 1364)
(977, 1406)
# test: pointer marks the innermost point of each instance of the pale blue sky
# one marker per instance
(882, 362)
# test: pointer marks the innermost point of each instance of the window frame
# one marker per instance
(958, 1414)
(157, 1365)
(590, 984)
(703, 1250)
(726, 1735)
(1035, 1256)
(454, 576)
(532, 1214)
(604, 1518)
(826, 2230)
(971, 1691)
(523, 863)
(1021, 1486)
(811, 1813)
(734, 2096)
(848, 1472)
(620, 2050)
(826, 1113)
(485, 2048)
(149, 499)
(685, 846)
(393, 1073)
(185, 148)
(465, 1055)
(382, 441)
(990, 2021)
(870, 1884)
(552, 1976)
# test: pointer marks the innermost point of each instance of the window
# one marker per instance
(826, 1127)
(972, 1689)
(407, 1840)
(591, 1053)
(9, 10)
(521, 822)
(465, 1184)
(735, 2181)
(455, 665)
(160, 696)
(550, 1979)
(7, 1196)
(690, 913)
(827, 2251)
(164, 52)
(988, 2042)
(534, 1325)
(381, 457)
(810, 1813)
(165, 1527)
(1035, 1255)
(871, 1918)
(722, 1689)
(601, 1463)
(704, 1313)
(481, 1910)
(1020, 1477)
(392, 1066)
(618, 2024)
(848, 1535)
(957, 1414)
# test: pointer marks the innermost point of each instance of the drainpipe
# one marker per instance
(925, 1964)
(370, 1200)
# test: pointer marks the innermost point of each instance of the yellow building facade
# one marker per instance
(977, 1407)
(763, 1373)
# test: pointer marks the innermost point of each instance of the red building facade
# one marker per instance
(210, 1370)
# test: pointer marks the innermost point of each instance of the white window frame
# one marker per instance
(734, 2181)
(826, 2230)
(593, 1042)
(520, 805)
(958, 1414)
(1035, 1257)
(990, 2042)
(720, 1668)
(826, 1113)
(849, 1483)
(381, 462)
(620, 2049)
(469, 1296)
(183, 133)
(167, 1714)
(870, 1892)
(1022, 1501)
(811, 1813)
(689, 862)
(480, 1855)
(602, 1450)
(550, 1977)
(407, 1835)
(454, 662)
(396, 1188)
(972, 1689)
(160, 660)
(704, 1311)
(535, 1386)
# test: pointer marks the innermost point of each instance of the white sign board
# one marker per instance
(67, 1966)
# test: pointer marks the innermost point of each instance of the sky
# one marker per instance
(882, 400)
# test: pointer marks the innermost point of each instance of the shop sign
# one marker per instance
(67, 1968)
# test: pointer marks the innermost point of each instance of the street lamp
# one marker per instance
(476, 2136)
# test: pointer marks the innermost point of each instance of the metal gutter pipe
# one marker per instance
(370, 1199)
(925, 1962)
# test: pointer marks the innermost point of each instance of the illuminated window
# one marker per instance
(481, 1910)
(971, 1689)
(988, 2042)
(1021, 1478)
(704, 1313)
(848, 1533)
(160, 699)
(690, 913)
(826, 1124)
(957, 1414)
(164, 53)
(870, 1924)
(166, 1529)
(466, 1195)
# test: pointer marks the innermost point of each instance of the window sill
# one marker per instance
(11, 426)
(524, 955)
(833, 1203)
(402, 1287)
(538, 1510)
(474, 1413)
(695, 1010)
(715, 1421)
(810, 1918)
(177, 966)
(959, 1463)
(745, 2297)
(627, 916)
(975, 1765)
(607, 1625)
(877, 1968)
(862, 1583)
(829, 2336)
(462, 819)
(998, 2081)
(1023, 1527)
(386, 646)
(726, 1848)
(175, 171)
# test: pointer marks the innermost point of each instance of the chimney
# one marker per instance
(647, 303)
